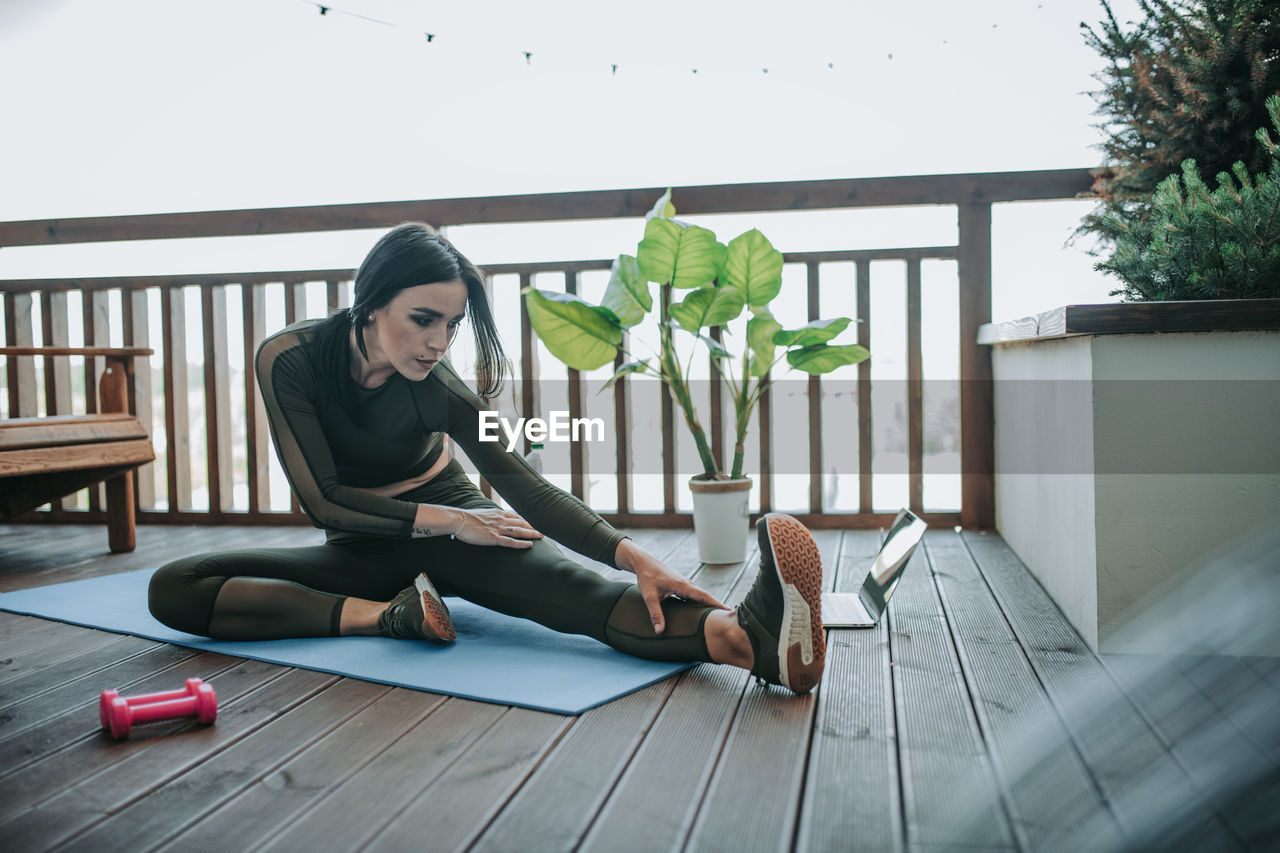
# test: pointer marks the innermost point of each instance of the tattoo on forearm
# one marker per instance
(422, 531)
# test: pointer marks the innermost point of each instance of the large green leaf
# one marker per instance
(628, 293)
(824, 358)
(581, 335)
(754, 267)
(707, 306)
(684, 255)
(662, 208)
(761, 331)
(817, 332)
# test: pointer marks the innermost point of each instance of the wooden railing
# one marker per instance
(236, 445)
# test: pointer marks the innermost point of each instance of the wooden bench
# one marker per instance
(43, 459)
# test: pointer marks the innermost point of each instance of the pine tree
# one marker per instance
(1190, 81)
(1198, 244)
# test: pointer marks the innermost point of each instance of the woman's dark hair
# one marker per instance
(408, 255)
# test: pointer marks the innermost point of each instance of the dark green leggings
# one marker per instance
(298, 592)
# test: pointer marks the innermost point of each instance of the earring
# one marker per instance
(370, 318)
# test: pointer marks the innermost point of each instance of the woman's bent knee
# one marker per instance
(181, 594)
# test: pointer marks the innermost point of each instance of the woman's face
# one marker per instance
(413, 331)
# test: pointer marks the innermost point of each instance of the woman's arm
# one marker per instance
(656, 581)
(551, 510)
(474, 526)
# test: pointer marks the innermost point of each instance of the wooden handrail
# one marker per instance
(973, 188)
(88, 352)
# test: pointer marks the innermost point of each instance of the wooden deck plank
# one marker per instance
(27, 642)
(852, 793)
(762, 763)
(274, 801)
(56, 731)
(89, 754)
(65, 552)
(655, 802)
(60, 647)
(347, 817)
(78, 787)
(646, 785)
(107, 649)
(456, 807)
(563, 824)
(1053, 801)
(73, 706)
(553, 810)
(28, 549)
(14, 625)
(941, 750)
(172, 807)
(1114, 741)
(765, 753)
(82, 551)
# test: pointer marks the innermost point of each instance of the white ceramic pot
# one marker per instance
(721, 519)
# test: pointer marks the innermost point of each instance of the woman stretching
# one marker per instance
(359, 404)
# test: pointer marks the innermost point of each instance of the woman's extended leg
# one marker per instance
(272, 593)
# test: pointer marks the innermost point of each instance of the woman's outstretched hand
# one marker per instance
(656, 582)
(495, 527)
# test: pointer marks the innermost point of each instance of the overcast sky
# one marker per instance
(140, 106)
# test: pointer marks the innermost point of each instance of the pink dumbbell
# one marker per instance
(119, 713)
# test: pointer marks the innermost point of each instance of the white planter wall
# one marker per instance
(1112, 485)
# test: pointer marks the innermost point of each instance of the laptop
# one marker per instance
(863, 609)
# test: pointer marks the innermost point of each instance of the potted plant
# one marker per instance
(719, 282)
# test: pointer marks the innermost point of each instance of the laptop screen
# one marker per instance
(904, 535)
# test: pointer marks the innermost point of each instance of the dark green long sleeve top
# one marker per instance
(326, 454)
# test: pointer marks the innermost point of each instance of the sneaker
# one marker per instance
(782, 612)
(417, 613)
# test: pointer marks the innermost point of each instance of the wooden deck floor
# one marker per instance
(955, 724)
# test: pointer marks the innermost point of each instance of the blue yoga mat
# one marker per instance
(496, 658)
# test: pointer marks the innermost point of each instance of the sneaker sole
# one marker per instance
(802, 644)
(435, 616)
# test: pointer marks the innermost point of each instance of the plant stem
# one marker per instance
(673, 377)
(736, 473)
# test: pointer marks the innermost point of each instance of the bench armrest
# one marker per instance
(114, 387)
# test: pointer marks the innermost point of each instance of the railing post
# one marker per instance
(668, 422)
(173, 315)
(137, 333)
(113, 396)
(814, 284)
(96, 314)
(217, 398)
(915, 392)
(528, 360)
(865, 433)
(977, 412)
(577, 457)
(57, 371)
